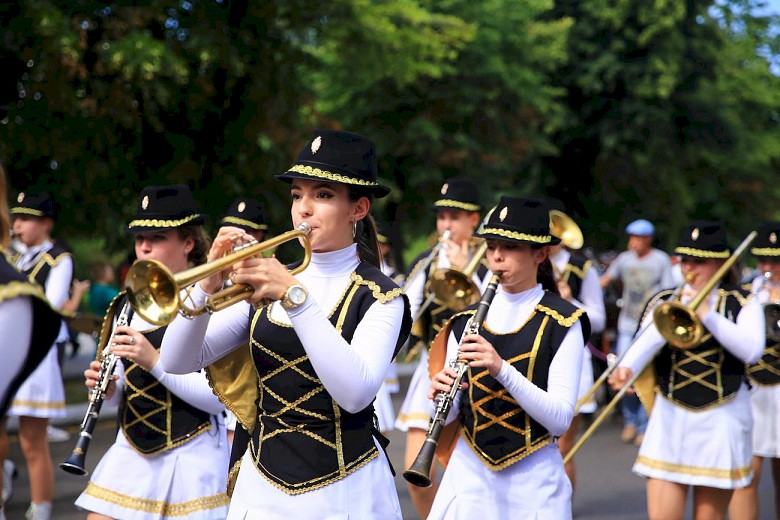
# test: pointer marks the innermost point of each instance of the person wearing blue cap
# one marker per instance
(643, 271)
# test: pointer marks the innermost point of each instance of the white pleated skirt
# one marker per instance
(417, 410)
(188, 481)
(535, 487)
(711, 447)
(765, 401)
(369, 493)
(43, 393)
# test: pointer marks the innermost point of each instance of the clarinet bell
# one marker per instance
(75, 464)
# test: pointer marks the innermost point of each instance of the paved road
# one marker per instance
(606, 487)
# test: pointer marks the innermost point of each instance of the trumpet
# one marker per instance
(76, 462)
(419, 472)
(153, 291)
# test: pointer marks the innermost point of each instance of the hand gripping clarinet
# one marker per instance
(419, 472)
(76, 461)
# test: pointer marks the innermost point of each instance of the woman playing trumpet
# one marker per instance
(524, 370)
(170, 457)
(699, 433)
(320, 350)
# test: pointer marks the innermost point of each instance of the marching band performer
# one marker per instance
(457, 212)
(578, 283)
(699, 434)
(25, 311)
(321, 349)
(42, 396)
(764, 378)
(523, 377)
(171, 450)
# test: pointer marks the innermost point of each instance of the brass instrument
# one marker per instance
(421, 267)
(76, 462)
(679, 326)
(771, 312)
(153, 291)
(419, 472)
(564, 227)
(678, 323)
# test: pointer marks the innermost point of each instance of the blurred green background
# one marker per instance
(661, 109)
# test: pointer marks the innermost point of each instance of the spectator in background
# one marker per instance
(102, 289)
(643, 271)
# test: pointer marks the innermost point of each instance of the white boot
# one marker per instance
(40, 511)
(9, 473)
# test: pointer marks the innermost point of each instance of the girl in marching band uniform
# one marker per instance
(170, 457)
(523, 377)
(699, 434)
(320, 351)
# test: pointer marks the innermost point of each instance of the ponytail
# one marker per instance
(545, 275)
(365, 233)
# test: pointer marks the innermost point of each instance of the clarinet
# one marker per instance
(75, 463)
(419, 472)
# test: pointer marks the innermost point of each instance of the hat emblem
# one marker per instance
(695, 234)
(444, 189)
(20, 198)
(241, 207)
(145, 202)
(772, 237)
(503, 214)
(315, 145)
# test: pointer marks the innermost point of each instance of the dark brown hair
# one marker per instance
(200, 250)
(365, 231)
(5, 222)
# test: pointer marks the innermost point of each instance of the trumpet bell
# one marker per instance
(678, 324)
(564, 227)
(152, 292)
(453, 289)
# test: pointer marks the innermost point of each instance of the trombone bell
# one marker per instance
(564, 227)
(678, 324)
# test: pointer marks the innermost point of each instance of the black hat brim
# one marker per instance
(318, 174)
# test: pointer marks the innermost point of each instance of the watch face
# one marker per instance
(297, 295)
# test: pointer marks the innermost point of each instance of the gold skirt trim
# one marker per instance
(157, 506)
(731, 474)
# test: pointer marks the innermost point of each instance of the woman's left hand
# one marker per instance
(479, 352)
(133, 346)
(268, 276)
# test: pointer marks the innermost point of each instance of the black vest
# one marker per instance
(574, 273)
(767, 371)
(42, 268)
(303, 440)
(153, 418)
(706, 375)
(436, 314)
(492, 422)
(46, 324)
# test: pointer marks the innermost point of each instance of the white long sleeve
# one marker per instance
(16, 323)
(591, 297)
(552, 408)
(351, 372)
(192, 388)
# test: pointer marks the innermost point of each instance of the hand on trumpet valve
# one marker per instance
(224, 243)
(92, 375)
(269, 278)
(619, 377)
(442, 382)
(479, 353)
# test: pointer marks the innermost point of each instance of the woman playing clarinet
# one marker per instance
(522, 380)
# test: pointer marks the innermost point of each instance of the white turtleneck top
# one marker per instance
(351, 372)
(552, 408)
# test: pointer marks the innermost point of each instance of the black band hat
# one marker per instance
(341, 157)
(703, 239)
(245, 213)
(36, 204)
(526, 221)
(165, 207)
(383, 233)
(459, 194)
(767, 242)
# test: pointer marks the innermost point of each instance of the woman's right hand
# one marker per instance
(442, 382)
(619, 377)
(223, 245)
(92, 374)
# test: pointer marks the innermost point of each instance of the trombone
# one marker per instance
(153, 291)
(680, 327)
(564, 227)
